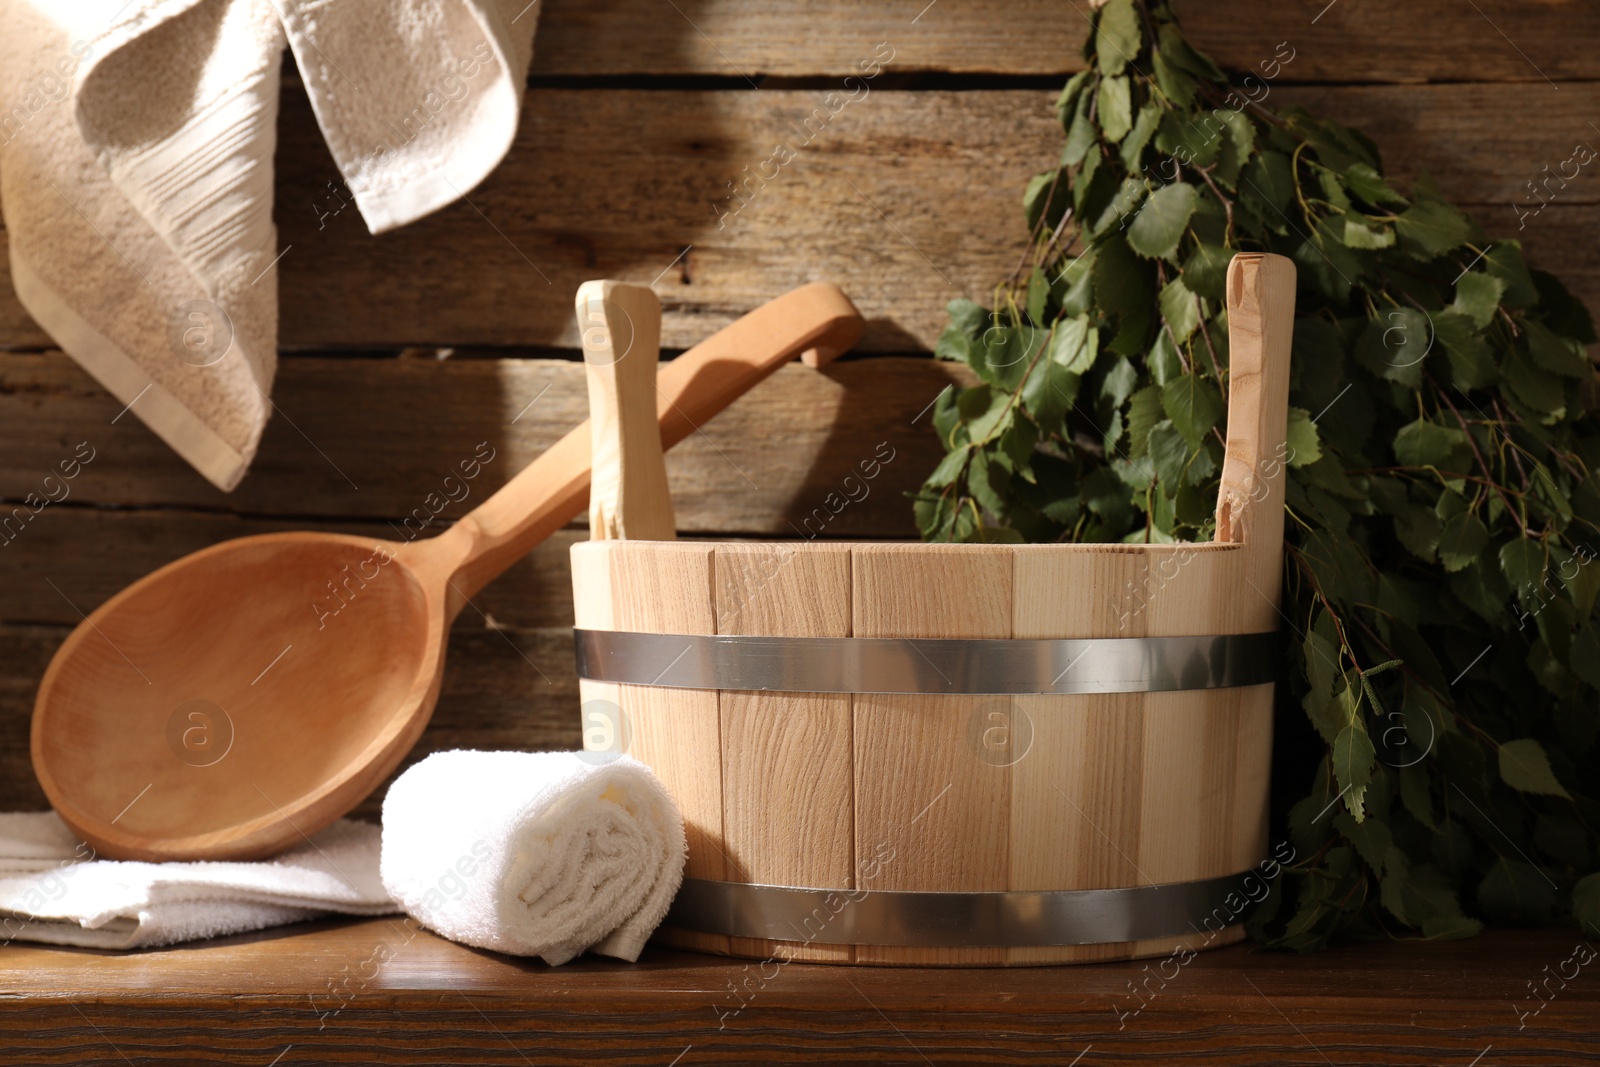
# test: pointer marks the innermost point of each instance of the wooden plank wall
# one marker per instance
(404, 353)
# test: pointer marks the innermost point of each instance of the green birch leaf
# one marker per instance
(1522, 561)
(1088, 352)
(1562, 311)
(1203, 464)
(1160, 224)
(1180, 309)
(1556, 353)
(1353, 757)
(1524, 766)
(1055, 396)
(1092, 187)
(1462, 538)
(1364, 233)
(1427, 444)
(967, 322)
(1395, 346)
(1070, 347)
(950, 468)
(1163, 361)
(1583, 585)
(982, 477)
(1471, 359)
(1269, 180)
(1144, 411)
(1194, 406)
(1186, 56)
(1038, 292)
(1205, 272)
(1430, 228)
(1082, 135)
(1047, 195)
(1193, 141)
(1176, 84)
(1067, 102)
(994, 419)
(1304, 445)
(1112, 207)
(1392, 894)
(1478, 297)
(1122, 282)
(1120, 382)
(1133, 145)
(1370, 837)
(1241, 131)
(1073, 287)
(1325, 713)
(1117, 36)
(1504, 261)
(1168, 452)
(1537, 389)
(1364, 181)
(1115, 108)
(1002, 354)
(1229, 164)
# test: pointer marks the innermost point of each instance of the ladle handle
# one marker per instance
(816, 321)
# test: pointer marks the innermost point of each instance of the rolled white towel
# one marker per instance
(533, 853)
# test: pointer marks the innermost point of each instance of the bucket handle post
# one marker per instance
(1261, 291)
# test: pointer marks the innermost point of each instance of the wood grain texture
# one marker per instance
(1076, 763)
(405, 433)
(866, 203)
(1261, 299)
(786, 757)
(243, 1000)
(1130, 789)
(1348, 42)
(923, 794)
(647, 175)
(77, 557)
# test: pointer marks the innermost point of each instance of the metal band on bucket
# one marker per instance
(863, 917)
(915, 665)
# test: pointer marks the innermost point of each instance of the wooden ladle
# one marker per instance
(249, 694)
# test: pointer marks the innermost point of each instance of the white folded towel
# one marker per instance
(533, 853)
(136, 143)
(52, 889)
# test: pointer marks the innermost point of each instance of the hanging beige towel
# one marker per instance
(136, 143)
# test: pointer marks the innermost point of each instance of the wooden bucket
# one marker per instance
(963, 754)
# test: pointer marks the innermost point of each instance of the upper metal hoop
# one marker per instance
(907, 665)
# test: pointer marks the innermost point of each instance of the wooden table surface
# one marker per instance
(380, 991)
